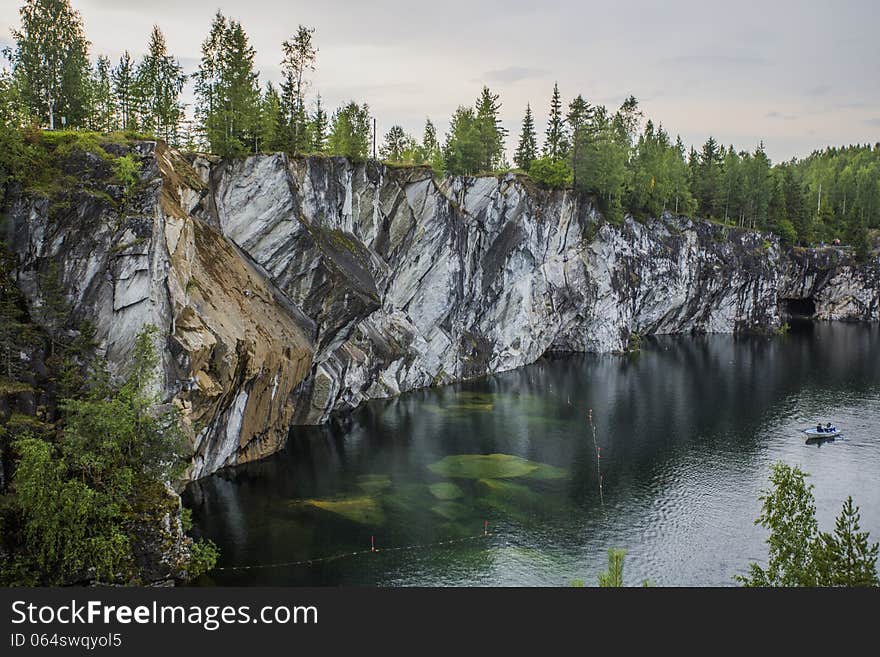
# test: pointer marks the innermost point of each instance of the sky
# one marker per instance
(798, 75)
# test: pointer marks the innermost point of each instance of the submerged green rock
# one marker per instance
(363, 510)
(493, 466)
(445, 490)
(373, 484)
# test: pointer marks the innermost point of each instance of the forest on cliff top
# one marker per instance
(628, 162)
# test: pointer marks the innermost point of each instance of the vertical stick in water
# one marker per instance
(598, 457)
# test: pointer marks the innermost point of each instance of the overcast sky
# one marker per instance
(799, 75)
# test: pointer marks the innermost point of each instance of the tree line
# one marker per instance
(629, 163)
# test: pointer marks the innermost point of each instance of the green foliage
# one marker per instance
(159, 81)
(550, 172)
(350, 131)
(272, 121)
(786, 231)
(125, 92)
(50, 63)
(228, 91)
(706, 179)
(491, 132)
(127, 171)
(102, 102)
(846, 558)
(73, 531)
(299, 56)
(634, 343)
(399, 147)
(527, 150)
(475, 141)
(204, 555)
(462, 151)
(602, 162)
(77, 499)
(799, 555)
(430, 151)
(658, 175)
(555, 142)
(789, 512)
(613, 576)
(318, 127)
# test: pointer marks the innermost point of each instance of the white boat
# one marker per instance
(815, 434)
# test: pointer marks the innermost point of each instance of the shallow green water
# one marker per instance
(687, 432)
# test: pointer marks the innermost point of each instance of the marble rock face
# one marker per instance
(286, 289)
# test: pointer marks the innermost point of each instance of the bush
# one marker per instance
(204, 555)
(127, 172)
(550, 172)
(799, 554)
(78, 500)
(786, 231)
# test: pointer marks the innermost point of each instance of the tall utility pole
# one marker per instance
(374, 137)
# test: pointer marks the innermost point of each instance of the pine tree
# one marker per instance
(159, 82)
(299, 58)
(626, 119)
(463, 150)
(272, 123)
(103, 106)
(207, 79)
(398, 147)
(227, 89)
(846, 558)
(50, 62)
(429, 138)
(124, 89)
(491, 131)
(54, 311)
(527, 150)
(579, 118)
(318, 128)
(613, 576)
(708, 179)
(430, 152)
(555, 143)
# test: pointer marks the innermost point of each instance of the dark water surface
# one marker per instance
(687, 430)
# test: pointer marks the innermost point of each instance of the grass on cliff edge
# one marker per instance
(36, 161)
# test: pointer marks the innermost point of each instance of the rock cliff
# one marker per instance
(286, 289)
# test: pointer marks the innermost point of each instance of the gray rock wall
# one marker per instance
(286, 290)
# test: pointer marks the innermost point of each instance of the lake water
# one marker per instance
(687, 432)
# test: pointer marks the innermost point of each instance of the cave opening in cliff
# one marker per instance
(799, 309)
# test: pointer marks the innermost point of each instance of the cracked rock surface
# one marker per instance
(289, 288)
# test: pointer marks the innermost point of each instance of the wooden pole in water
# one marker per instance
(372, 543)
(485, 528)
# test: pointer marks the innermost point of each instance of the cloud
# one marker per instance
(873, 122)
(717, 60)
(779, 115)
(513, 74)
(818, 90)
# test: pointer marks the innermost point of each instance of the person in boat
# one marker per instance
(829, 428)
(819, 428)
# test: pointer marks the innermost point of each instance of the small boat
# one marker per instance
(825, 434)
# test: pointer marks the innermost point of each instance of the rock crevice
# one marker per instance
(289, 288)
